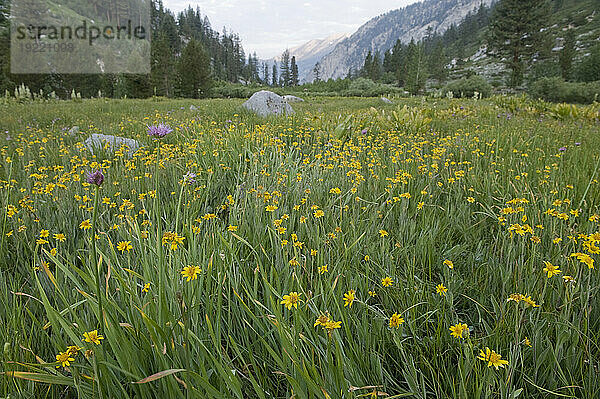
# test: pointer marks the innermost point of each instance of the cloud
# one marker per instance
(270, 26)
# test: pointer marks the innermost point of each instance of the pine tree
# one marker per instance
(255, 68)
(395, 63)
(367, 66)
(274, 79)
(162, 64)
(135, 86)
(394, 58)
(265, 73)
(375, 71)
(566, 56)
(589, 68)
(416, 68)
(438, 62)
(294, 79)
(514, 33)
(401, 56)
(250, 71)
(193, 71)
(317, 72)
(284, 69)
(558, 5)
(5, 81)
(239, 58)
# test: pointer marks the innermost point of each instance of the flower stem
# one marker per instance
(96, 266)
(95, 263)
(589, 184)
(179, 206)
(5, 211)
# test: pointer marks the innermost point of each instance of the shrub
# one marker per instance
(329, 86)
(363, 87)
(589, 68)
(234, 90)
(466, 87)
(557, 90)
(360, 87)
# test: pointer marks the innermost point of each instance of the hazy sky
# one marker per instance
(269, 26)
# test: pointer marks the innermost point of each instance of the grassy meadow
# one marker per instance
(434, 248)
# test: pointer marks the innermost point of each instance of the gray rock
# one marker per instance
(266, 103)
(386, 100)
(74, 131)
(293, 99)
(193, 108)
(98, 142)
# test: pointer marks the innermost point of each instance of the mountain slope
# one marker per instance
(308, 54)
(381, 33)
(580, 17)
(311, 52)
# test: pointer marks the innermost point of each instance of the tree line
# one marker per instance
(280, 74)
(410, 65)
(187, 56)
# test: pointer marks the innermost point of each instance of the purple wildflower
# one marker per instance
(189, 178)
(159, 131)
(96, 177)
(562, 149)
(365, 131)
(577, 144)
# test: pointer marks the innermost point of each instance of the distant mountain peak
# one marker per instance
(315, 46)
(309, 53)
(381, 33)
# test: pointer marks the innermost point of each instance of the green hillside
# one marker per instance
(580, 17)
(463, 51)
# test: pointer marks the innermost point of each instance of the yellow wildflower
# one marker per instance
(85, 225)
(492, 358)
(457, 330)
(190, 272)
(551, 269)
(441, 289)
(124, 246)
(291, 300)
(395, 321)
(93, 337)
(349, 298)
(64, 358)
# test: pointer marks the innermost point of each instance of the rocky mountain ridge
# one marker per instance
(311, 52)
(380, 33)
